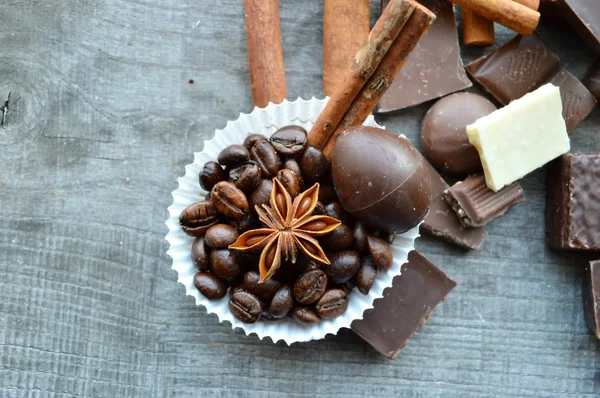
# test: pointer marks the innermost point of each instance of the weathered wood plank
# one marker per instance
(102, 122)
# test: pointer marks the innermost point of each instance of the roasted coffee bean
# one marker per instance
(245, 176)
(319, 209)
(335, 210)
(233, 155)
(245, 306)
(236, 288)
(360, 238)
(289, 141)
(310, 286)
(198, 217)
(292, 164)
(380, 251)
(333, 304)
(290, 182)
(224, 264)
(340, 238)
(366, 275)
(265, 290)
(250, 221)
(350, 284)
(265, 155)
(253, 139)
(267, 316)
(388, 237)
(210, 286)
(261, 194)
(212, 172)
(200, 254)
(327, 194)
(343, 265)
(314, 165)
(220, 236)
(305, 315)
(282, 302)
(229, 200)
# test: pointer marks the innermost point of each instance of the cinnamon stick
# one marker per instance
(345, 28)
(265, 53)
(509, 13)
(391, 64)
(477, 30)
(361, 68)
(533, 4)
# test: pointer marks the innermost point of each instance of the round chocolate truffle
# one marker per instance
(381, 179)
(444, 135)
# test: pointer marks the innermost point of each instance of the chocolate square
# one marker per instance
(590, 291)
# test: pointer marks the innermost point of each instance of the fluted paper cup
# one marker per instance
(266, 121)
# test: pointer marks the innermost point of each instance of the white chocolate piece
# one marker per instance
(524, 135)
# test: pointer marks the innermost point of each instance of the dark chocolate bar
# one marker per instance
(476, 205)
(524, 64)
(593, 82)
(405, 306)
(590, 291)
(434, 68)
(573, 203)
(584, 17)
(443, 223)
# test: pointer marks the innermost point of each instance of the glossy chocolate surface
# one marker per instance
(381, 179)
(443, 132)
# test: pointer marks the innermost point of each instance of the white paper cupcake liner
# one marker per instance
(266, 121)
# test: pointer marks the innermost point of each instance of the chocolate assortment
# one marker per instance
(278, 248)
(523, 65)
(405, 307)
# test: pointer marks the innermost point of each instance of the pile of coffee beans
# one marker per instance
(307, 290)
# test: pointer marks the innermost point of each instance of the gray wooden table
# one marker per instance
(102, 120)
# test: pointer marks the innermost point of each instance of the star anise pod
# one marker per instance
(289, 226)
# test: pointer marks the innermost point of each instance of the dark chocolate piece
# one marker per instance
(476, 205)
(573, 203)
(523, 65)
(593, 82)
(405, 306)
(584, 17)
(444, 136)
(443, 223)
(590, 291)
(434, 68)
(381, 179)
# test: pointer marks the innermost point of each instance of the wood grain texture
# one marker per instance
(103, 121)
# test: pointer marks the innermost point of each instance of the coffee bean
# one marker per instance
(305, 315)
(360, 238)
(200, 254)
(265, 290)
(250, 221)
(314, 165)
(310, 286)
(289, 141)
(210, 286)
(229, 200)
(198, 217)
(290, 182)
(380, 251)
(343, 265)
(292, 164)
(253, 139)
(335, 210)
(245, 176)
(327, 194)
(224, 264)
(236, 288)
(340, 238)
(319, 210)
(261, 194)
(282, 302)
(350, 284)
(212, 172)
(333, 304)
(245, 306)
(267, 316)
(220, 236)
(233, 155)
(366, 275)
(265, 155)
